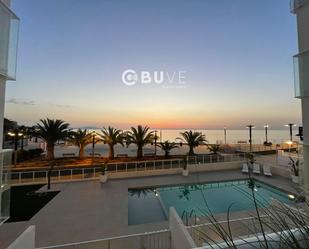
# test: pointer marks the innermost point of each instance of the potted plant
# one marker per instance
(294, 164)
(103, 176)
(185, 171)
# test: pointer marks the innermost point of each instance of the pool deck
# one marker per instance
(89, 210)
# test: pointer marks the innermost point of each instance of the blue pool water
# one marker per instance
(152, 204)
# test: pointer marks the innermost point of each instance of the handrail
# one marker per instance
(225, 221)
(68, 174)
(107, 239)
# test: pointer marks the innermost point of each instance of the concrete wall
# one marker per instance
(180, 237)
(192, 168)
(303, 44)
(26, 240)
(215, 166)
(143, 173)
(302, 27)
(2, 101)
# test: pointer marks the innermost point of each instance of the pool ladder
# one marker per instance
(186, 217)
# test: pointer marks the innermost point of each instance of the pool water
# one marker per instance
(152, 204)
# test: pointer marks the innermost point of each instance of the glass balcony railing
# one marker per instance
(5, 169)
(301, 75)
(9, 26)
(296, 4)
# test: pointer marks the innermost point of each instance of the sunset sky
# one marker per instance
(237, 56)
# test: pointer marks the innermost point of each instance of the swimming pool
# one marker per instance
(152, 204)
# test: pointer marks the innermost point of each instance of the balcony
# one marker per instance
(9, 26)
(296, 4)
(5, 168)
(301, 75)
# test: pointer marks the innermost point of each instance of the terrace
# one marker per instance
(89, 210)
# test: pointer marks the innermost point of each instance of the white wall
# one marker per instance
(26, 240)
(2, 102)
(303, 44)
(180, 237)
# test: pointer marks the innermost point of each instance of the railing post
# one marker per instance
(93, 172)
(126, 166)
(135, 166)
(71, 174)
(59, 175)
(83, 173)
(116, 167)
(19, 177)
(33, 176)
(210, 159)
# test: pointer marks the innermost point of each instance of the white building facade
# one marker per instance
(9, 24)
(301, 71)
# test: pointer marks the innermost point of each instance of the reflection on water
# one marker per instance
(140, 192)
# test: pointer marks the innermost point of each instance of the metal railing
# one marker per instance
(38, 176)
(243, 227)
(205, 159)
(5, 167)
(150, 240)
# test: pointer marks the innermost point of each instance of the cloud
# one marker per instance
(20, 102)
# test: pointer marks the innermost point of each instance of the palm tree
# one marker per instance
(80, 138)
(140, 136)
(214, 148)
(112, 136)
(167, 147)
(51, 131)
(193, 139)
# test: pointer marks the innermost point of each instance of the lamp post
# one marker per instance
(291, 130)
(155, 142)
(266, 133)
(250, 127)
(224, 135)
(15, 135)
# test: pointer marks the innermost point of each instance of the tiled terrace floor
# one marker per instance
(89, 210)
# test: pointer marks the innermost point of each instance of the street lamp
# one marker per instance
(15, 137)
(155, 144)
(291, 130)
(250, 127)
(224, 135)
(266, 133)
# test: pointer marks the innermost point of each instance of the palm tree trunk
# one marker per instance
(167, 153)
(111, 152)
(191, 151)
(50, 152)
(139, 152)
(81, 152)
(49, 175)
